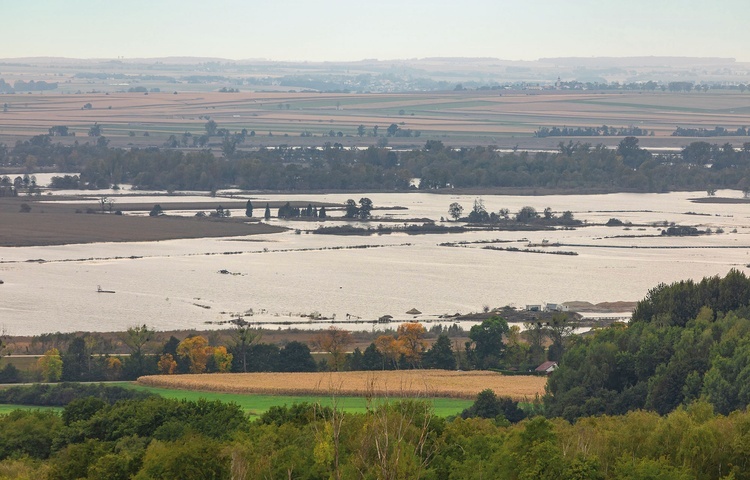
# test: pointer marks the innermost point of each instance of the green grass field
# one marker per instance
(255, 405)
(5, 409)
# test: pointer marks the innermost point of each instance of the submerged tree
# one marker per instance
(455, 210)
(365, 207)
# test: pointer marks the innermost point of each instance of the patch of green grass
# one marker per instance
(257, 404)
(642, 106)
(446, 105)
(21, 363)
(5, 409)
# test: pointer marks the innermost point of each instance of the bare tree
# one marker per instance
(244, 336)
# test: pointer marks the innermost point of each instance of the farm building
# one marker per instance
(555, 307)
(547, 367)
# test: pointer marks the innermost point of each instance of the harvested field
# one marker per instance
(411, 383)
(48, 224)
(455, 117)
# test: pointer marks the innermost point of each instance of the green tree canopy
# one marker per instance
(488, 341)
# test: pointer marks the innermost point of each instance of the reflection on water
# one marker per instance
(178, 284)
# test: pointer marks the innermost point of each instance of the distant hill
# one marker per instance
(638, 61)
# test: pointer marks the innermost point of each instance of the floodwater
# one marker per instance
(277, 278)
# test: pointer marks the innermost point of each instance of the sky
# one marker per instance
(337, 30)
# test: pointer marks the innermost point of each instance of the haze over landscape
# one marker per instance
(337, 30)
(398, 240)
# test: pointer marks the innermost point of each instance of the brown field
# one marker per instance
(400, 383)
(57, 224)
(505, 118)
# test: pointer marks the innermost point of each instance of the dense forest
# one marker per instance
(686, 342)
(699, 166)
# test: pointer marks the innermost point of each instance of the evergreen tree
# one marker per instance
(296, 357)
(267, 214)
(249, 209)
(441, 354)
(373, 359)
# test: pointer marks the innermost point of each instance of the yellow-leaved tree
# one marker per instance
(410, 341)
(196, 351)
(222, 359)
(390, 348)
(51, 365)
(167, 364)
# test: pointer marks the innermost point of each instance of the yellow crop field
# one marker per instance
(411, 383)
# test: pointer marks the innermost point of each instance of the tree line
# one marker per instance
(715, 132)
(574, 165)
(492, 344)
(603, 131)
(30, 86)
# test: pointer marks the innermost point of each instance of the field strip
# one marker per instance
(399, 383)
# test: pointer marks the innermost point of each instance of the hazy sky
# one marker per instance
(384, 29)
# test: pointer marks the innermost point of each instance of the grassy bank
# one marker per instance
(255, 405)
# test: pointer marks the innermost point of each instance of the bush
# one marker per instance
(191, 457)
(62, 394)
(10, 374)
(489, 405)
(28, 433)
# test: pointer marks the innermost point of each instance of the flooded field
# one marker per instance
(278, 278)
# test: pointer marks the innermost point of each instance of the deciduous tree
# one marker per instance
(455, 210)
(365, 207)
(196, 351)
(352, 211)
(244, 336)
(136, 338)
(167, 364)
(389, 347)
(51, 365)
(488, 340)
(410, 341)
(222, 359)
(334, 341)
